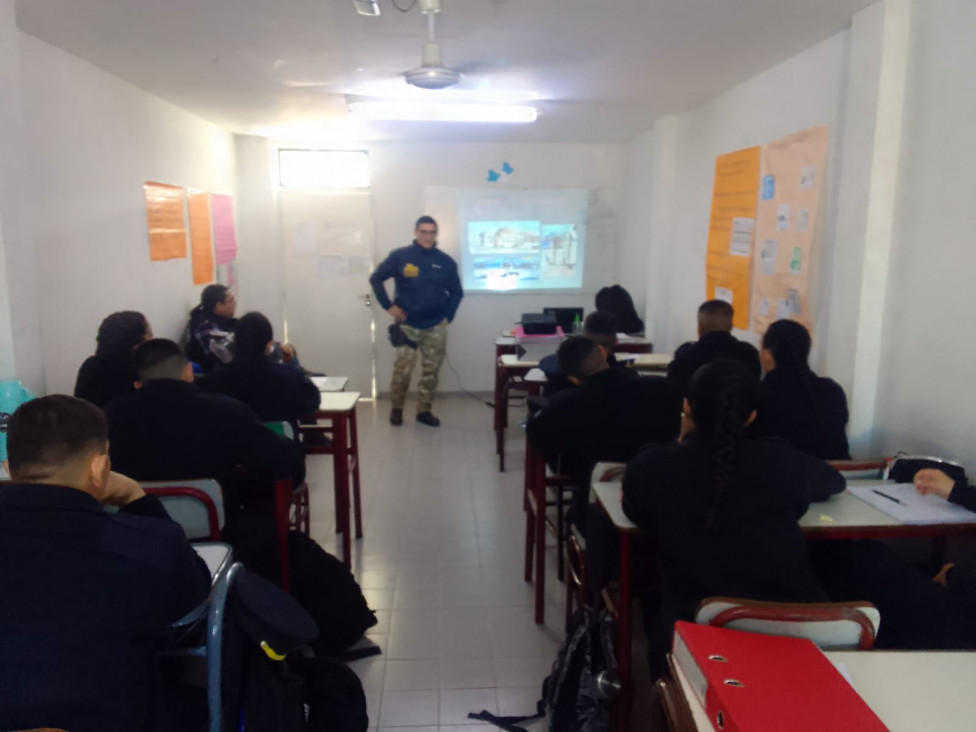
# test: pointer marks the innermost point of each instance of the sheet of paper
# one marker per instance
(164, 217)
(901, 501)
(331, 266)
(360, 265)
(201, 243)
(803, 219)
(741, 243)
(808, 178)
(768, 256)
(723, 293)
(340, 240)
(783, 217)
(303, 237)
(225, 238)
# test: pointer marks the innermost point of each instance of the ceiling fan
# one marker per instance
(432, 74)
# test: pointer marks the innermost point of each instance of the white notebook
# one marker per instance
(901, 501)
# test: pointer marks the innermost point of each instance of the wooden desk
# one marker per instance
(851, 517)
(339, 408)
(508, 368)
(910, 691)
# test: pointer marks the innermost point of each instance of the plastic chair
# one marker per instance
(831, 625)
(196, 505)
(860, 469)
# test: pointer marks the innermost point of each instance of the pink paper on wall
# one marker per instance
(225, 240)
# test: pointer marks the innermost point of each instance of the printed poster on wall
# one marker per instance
(731, 231)
(792, 185)
(225, 239)
(201, 242)
(164, 216)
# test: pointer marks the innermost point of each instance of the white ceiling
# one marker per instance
(604, 69)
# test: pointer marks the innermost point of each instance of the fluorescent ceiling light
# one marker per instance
(396, 89)
(367, 7)
(433, 112)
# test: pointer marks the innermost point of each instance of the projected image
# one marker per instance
(486, 237)
(560, 250)
(505, 273)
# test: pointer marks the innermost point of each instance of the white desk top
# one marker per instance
(215, 554)
(641, 361)
(536, 376)
(909, 691)
(330, 383)
(511, 361)
(338, 401)
(846, 510)
(505, 340)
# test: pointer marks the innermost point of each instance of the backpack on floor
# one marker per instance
(325, 587)
(577, 693)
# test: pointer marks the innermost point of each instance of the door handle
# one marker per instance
(367, 299)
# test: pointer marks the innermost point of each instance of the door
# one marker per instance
(328, 242)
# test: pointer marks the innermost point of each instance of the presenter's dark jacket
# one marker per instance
(609, 418)
(756, 550)
(172, 430)
(104, 378)
(86, 595)
(815, 423)
(718, 344)
(428, 288)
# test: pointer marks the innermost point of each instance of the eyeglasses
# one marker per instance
(427, 232)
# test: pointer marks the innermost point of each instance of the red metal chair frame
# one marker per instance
(197, 494)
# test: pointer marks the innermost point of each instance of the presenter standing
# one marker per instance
(428, 292)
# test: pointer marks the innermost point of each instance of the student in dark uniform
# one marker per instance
(277, 392)
(428, 293)
(610, 417)
(807, 411)
(715, 340)
(109, 373)
(211, 324)
(87, 594)
(723, 509)
(598, 326)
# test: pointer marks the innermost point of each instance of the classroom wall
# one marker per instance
(636, 221)
(926, 397)
(804, 91)
(93, 140)
(401, 172)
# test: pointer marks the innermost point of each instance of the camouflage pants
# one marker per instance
(432, 344)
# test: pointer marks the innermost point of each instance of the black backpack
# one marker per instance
(327, 590)
(577, 693)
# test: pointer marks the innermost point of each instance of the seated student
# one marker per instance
(277, 392)
(618, 302)
(807, 411)
(210, 323)
(87, 594)
(171, 429)
(715, 340)
(613, 414)
(723, 509)
(598, 326)
(109, 373)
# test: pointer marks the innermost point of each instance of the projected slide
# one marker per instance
(516, 252)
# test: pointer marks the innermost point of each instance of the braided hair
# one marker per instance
(723, 394)
(789, 343)
(119, 333)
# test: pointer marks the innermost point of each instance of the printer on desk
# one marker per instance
(537, 337)
(536, 324)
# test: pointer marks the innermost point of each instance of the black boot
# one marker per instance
(396, 417)
(428, 419)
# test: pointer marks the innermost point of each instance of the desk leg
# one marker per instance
(625, 636)
(341, 470)
(498, 401)
(539, 490)
(354, 454)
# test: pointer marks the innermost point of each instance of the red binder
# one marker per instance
(749, 682)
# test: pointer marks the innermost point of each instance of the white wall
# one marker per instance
(93, 140)
(927, 397)
(636, 221)
(400, 175)
(805, 91)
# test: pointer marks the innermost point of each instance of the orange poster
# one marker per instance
(167, 228)
(201, 241)
(728, 263)
(786, 223)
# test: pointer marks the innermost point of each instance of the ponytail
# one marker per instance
(722, 396)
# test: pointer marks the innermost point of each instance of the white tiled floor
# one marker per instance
(441, 563)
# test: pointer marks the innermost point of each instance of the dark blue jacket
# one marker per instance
(86, 596)
(428, 288)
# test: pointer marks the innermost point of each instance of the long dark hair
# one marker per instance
(722, 396)
(119, 333)
(618, 302)
(789, 343)
(210, 298)
(251, 336)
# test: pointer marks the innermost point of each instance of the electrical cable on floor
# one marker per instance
(461, 386)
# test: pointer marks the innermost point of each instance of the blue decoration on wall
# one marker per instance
(493, 176)
(507, 169)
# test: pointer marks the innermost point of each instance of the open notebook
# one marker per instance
(901, 501)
